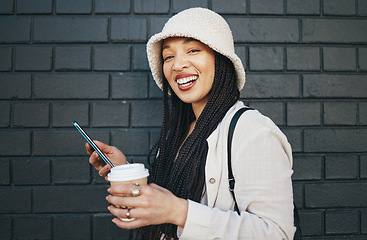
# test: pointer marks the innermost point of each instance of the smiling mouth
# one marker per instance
(186, 81)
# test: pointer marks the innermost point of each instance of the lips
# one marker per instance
(186, 82)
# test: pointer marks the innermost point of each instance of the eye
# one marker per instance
(194, 50)
(167, 58)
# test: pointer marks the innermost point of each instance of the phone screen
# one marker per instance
(90, 141)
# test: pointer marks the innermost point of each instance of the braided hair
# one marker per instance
(184, 176)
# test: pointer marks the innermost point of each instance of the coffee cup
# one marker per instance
(128, 174)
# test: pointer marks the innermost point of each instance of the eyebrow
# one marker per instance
(188, 40)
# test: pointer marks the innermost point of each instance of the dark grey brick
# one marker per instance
(77, 199)
(71, 171)
(335, 140)
(298, 194)
(178, 5)
(364, 222)
(32, 227)
(266, 6)
(363, 113)
(363, 167)
(340, 113)
(154, 137)
(278, 30)
(73, 227)
(15, 200)
(103, 229)
(303, 113)
(33, 58)
(111, 114)
(156, 24)
(131, 142)
(73, 58)
(339, 59)
(88, 86)
(64, 143)
(31, 115)
(126, 29)
(311, 222)
(339, 7)
(4, 114)
(34, 6)
(154, 90)
(15, 143)
(241, 52)
(229, 6)
(294, 136)
(64, 113)
(31, 172)
(112, 6)
(15, 86)
(337, 86)
(15, 30)
(362, 52)
(127, 85)
(307, 167)
(6, 7)
(115, 58)
(147, 113)
(139, 58)
(362, 8)
(6, 228)
(341, 221)
(334, 30)
(341, 167)
(301, 7)
(74, 6)
(266, 58)
(67, 29)
(274, 110)
(4, 173)
(153, 6)
(303, 58)
(335, 195)
(271, 86)
(5, 59)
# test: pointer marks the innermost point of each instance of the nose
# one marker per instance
(179, 64)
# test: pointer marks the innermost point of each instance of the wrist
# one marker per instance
(180, 212)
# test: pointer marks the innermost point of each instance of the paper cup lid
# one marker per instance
(128, 172)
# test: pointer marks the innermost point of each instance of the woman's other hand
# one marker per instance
(111, 152)
(154, 205)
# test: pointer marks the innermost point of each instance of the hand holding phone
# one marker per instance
(93, 145)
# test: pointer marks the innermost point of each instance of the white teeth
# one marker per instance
(183, 81)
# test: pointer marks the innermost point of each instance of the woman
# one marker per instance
(193, 60)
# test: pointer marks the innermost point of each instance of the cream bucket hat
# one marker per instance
(201, 24)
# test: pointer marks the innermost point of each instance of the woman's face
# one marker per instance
(189, 68)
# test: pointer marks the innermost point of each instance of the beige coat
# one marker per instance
(262, 167)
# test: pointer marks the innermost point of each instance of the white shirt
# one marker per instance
(262, 167)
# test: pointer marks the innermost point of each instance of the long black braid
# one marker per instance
(184, 176)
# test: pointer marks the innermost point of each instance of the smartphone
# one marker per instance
(90, 141)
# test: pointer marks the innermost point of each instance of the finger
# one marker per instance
(89, 148)
(128, 225)
(126, 189)
(96, 161)
(103, 147)
(105, 170)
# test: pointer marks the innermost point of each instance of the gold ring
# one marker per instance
(128, 213)
(135, 190)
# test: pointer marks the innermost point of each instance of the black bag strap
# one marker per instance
(297, 235)
(229, 147)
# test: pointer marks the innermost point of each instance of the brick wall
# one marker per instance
(85, 60)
